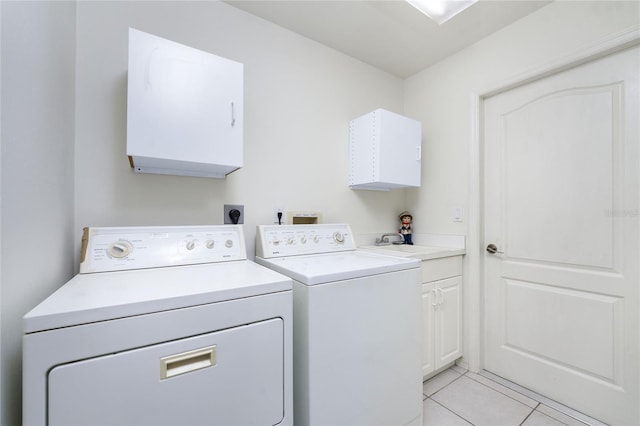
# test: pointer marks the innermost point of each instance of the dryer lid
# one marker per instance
(88, 298)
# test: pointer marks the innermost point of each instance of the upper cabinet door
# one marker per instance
(385, 151)
(184, 109)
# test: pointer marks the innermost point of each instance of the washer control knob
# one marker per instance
(228, 243)
(191, 245)
(120, 249)
(316, 239)
(289, 240)
(303, 240)
(338, 237)
(210, 244)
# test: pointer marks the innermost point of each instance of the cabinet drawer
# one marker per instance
(439, 269)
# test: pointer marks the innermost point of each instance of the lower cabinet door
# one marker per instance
(448, 321)
(441, 323)
(227, 377)
(428, 341)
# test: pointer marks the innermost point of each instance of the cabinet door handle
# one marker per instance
(419, 153)
(441, 296)
(233, 115)
(435, 298)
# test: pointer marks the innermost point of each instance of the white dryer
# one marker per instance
(163, 326)
(357, 326)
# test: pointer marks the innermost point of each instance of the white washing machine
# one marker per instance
(357, 327)
(163, 326)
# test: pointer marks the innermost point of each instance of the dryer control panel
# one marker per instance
(125, 248)
(293, 240)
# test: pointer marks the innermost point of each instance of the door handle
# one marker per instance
(493, 249)
(233, 115)
(186, 362)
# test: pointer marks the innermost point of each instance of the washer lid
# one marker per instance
(105, 296)
(330, 267)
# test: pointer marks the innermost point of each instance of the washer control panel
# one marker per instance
(124, 248)
(293, 240)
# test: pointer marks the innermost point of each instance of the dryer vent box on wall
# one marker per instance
(184, 109)
(384, 151)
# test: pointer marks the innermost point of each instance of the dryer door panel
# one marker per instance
(230, 377)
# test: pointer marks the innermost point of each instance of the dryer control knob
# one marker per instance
(191, 245)
(210, 244)
(228, 243)
(338, 237)
(120, 249)
(303, 240)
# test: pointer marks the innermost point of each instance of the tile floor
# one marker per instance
(459, 397)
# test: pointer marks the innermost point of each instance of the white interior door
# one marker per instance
(561, 169)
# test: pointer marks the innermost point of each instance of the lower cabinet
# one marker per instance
(441, 313)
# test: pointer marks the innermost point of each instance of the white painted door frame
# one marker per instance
(473, 304)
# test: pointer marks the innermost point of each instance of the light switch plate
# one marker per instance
(456, 214)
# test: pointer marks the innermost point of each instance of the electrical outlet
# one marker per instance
(282, 219)
(230, 212)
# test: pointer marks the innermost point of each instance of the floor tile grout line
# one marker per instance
(531, 409)
(457, 378)
(450, 410)
(545, 415)
(482, 384)
(530, 413)
(576, 415)
(502, 393)
(539, 399)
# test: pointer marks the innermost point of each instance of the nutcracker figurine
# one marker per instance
(405, 227)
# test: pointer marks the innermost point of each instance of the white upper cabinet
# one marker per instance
(184, 109)
(384, 151)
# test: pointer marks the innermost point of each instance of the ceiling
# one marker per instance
(389, 34)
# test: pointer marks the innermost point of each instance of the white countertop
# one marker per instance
(415, 251)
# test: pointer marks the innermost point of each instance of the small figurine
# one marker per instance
(405, 228)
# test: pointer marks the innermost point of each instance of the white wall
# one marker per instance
(38, 60)
(1, 375)
(299, 98)
(441, 97)
(60, 173)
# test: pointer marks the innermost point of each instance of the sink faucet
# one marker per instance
(384, 240)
